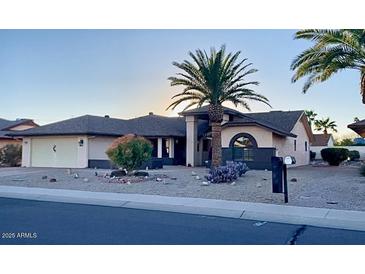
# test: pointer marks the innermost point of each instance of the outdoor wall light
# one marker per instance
(81, 143)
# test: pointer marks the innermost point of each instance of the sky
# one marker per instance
(52, 75)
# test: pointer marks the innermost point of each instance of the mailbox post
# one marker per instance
(280, 175)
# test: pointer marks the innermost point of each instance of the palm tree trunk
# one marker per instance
(362, 87)
(215, 113)
(216, 144)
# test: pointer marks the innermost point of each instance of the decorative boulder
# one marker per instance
(118, 173)
(141, 174)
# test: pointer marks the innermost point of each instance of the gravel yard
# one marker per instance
(324, 186)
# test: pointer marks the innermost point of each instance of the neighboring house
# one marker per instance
(8, 127)
(253, 137)
(358, 127)
(321, 141)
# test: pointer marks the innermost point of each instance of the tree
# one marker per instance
(11, 155)
(356, 119)
(214, 79)
(333, 51)
(311, 115)
(325, 125)
(130, 151)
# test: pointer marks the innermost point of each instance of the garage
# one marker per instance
(54, 152)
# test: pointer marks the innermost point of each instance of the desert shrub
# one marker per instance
(345, 142)
(130, 151)
(312, 155)
(11, 155)
(228, 173)
(354, 155)
(334, 156)
(362, 170)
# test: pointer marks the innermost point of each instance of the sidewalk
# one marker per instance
(343, 219)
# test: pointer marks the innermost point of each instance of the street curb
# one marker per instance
(322, 217)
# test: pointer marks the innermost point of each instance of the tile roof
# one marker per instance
(150, 125)
(280, 122)
(5, 125)
(320, 140)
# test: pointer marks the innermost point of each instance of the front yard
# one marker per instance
(324, 186)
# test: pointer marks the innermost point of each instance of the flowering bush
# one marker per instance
(130, 151)
(227, 173)
(11, 155)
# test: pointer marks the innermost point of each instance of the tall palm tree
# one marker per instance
(333, 51)
(325, 125)
(213, 79)
(311, 115)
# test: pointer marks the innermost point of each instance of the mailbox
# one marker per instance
(289, 160)
(277, 174)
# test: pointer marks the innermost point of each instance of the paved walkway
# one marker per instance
(344, 219)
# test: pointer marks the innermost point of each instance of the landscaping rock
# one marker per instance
(141, 174)
(193, 173)
(158, 179)
(258, 224)
(52, 180)
(258, 185)
(76, 176)
(233, 183)
(44, 177)
(128, 183)
(118, 173)
(197, 177)
(205, 183)
(293, 180)
(85, 180)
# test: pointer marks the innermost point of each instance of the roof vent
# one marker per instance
(150, 113)
(106, 116)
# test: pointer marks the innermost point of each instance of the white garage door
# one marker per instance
(54, 152)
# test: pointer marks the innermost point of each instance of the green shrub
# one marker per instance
(354, 155)
(11, 155)
(130, 151)
(334, 156)
(362, 170)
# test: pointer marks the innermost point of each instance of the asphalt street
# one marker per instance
(36, 222)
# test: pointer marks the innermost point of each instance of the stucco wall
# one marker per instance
(360, 149)
(285, 145)
(22, 127)
(317, 149)
(263, 136)
(98, 146)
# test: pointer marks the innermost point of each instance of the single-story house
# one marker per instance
(8, 127)
(186, 140)
(321, 141)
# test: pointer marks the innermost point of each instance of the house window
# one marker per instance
(165, 148)
(295, 145)
(206, 145)
(306, 146)
(248, 154)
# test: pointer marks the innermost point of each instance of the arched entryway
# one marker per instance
(242, 140)
(243, 145)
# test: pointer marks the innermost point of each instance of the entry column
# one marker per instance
(191, 140)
